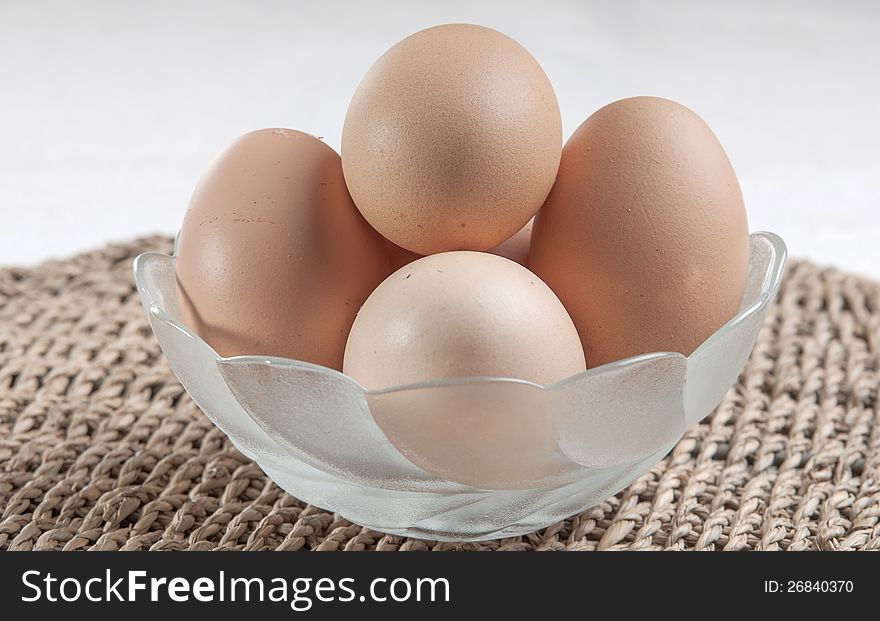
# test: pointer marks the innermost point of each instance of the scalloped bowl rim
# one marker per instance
(768, 290)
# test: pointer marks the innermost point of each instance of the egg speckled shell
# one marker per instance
(462, 314)
(273, 257)
(452, 140)
(644, 236)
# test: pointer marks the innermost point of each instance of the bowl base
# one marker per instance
(470, 516)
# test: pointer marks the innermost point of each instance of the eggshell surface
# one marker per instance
(398, 257)
(644, 236)
(452, 140)
(273, 257)
(462, 314)
(516, 248)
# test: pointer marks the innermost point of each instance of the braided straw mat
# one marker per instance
(101, 449)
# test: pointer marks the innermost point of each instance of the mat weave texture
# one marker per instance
(101, 449)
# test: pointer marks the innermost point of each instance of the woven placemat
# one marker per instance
(101, 449)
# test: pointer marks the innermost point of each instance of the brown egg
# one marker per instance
(462, 314)
(273, 257)
(452, 140)
(516, 249)
(644, 237)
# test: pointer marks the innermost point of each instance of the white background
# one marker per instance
(109, 111)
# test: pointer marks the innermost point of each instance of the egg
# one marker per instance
(452, 140)
(644, 236)
(516, 248)
(273, 257)
(462, 314)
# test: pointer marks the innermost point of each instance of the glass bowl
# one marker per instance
(465, 459)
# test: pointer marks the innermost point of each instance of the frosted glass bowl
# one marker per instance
(457, 460)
